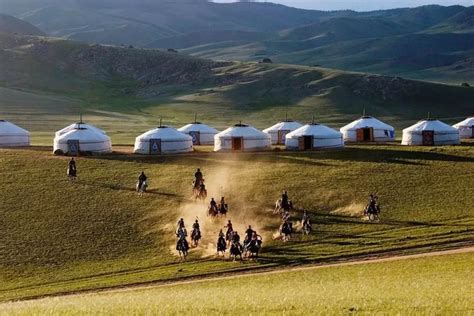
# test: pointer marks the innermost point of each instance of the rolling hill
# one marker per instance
(252, 31)
(10, 24)
(152, 83)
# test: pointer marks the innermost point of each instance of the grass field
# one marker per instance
(61, 237)
(422, 286)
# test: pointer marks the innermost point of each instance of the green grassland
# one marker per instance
(61, 237)
(422, 286)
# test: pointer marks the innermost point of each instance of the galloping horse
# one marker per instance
(195, 237)
(286, 230)
(198, 191)
(253, 248)
(141, 190)
(182, 247)
(221, 245)
(280, 208)
(236, 250)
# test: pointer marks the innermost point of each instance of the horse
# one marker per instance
(72, 174)
(141, 190)
(253, 248)
(223, 209)
(228, 235)
(195, 237)
(307, 228)
(286, 230)
(372, 213)
(198, 192)
(212, 211)
(221, 245)
(236, 250)
(182, 247)
(279, 207)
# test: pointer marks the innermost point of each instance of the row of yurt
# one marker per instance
(12, 135)
(85, 138)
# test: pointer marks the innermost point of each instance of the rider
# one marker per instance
(181, 223)
(229, 227)
(198, 177)
(213, 204)
(373, 203)
(72, 171)
(235, 237)
(285, 200)
(196, 225)
(141, 179)
(222, 205)
(248, 234)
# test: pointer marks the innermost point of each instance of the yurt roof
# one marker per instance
(84, 135)
(165, 133)
(318, 130)
(198, 127)
(283, 125)
(430, 125)
(367, 121)
(78, 126)
(10, 129)
(242, 130)
(467, 122)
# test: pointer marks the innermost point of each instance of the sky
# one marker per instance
(362, 5)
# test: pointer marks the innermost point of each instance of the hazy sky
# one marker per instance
(362, 5)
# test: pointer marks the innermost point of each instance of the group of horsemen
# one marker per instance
(252, 241)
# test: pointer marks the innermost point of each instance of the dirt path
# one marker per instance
(296, 269)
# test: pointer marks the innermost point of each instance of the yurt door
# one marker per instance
(428, 138)
(237, 143)
(155, 146)
(365, 134)
(281, 136)
(472, 131)
(305, 142)
(73, 147)
(196, 138)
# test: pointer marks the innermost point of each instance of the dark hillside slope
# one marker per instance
(10, 24)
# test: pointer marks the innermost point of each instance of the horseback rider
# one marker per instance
(221, 244)
(72, 171)
(196, 225)
(198, 177)
(181, 223)
(373, 203)
(285, 200)
(222, 206)
(141, 179)
(213, 204)
(230, 229)
(235, 237)
(248, 234)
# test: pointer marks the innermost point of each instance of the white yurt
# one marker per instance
(430, 132)
(368, 129)
(465, 128)
(241, 137)
(278, 131)
(163, 140)
(13, 136)
(201, 134)
(314, 136)
(81, 138)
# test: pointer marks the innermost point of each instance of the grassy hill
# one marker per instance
(46, 83)
(10, 24)
(424, 284)
(59, 237)
(252, 31)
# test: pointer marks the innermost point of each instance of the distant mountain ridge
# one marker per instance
(10, 24)
(430, 42)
